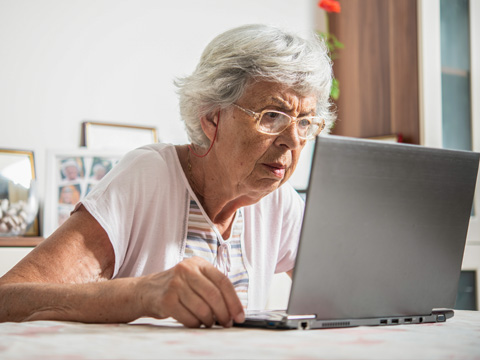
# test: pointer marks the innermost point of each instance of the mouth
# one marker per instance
(276, 169)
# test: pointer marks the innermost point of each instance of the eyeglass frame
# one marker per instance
(258, 116)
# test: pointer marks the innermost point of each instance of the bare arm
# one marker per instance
(64, 278)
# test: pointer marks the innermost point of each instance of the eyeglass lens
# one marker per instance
(275, 122)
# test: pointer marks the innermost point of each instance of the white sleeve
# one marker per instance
(132, 203)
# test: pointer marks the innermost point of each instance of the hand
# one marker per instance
(193, 292)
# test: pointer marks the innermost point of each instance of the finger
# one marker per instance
(185, 316)
(227, 290)
(213, 287)
(211, 296)
(197, 307)
(188, 279)
(167, 303)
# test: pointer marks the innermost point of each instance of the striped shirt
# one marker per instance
(204, 240)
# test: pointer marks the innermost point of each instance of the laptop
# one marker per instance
(382, 238)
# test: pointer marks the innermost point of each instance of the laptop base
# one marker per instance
(279, 320)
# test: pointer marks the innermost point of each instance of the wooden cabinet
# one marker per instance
(377, 69)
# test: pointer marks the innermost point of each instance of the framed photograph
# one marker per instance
(99, 135)
(71, 175)
(18, 195)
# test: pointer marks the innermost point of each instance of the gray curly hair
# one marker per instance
(253, 52)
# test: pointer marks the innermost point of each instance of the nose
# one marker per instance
(289, 137)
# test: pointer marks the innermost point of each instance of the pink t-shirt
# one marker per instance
(143, 206)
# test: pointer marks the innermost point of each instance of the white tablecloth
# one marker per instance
(458, 338)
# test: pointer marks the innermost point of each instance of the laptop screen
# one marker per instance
(384, 229)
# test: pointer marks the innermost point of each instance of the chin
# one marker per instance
(266, 186)
(276, 185)
(285, 179)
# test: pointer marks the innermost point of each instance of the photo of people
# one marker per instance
(100, 167)
(72, 169)
(69, 194)
(75, 176)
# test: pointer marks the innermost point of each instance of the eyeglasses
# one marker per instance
(273, 122)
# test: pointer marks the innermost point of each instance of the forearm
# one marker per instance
(112, 301)
(193, 292)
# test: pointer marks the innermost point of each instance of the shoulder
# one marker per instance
(154, 155)
(141, 170)
(156, 160)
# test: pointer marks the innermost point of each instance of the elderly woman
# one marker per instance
(193, 232)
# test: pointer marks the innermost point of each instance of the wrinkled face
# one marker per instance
(71, 172)
(258, 163)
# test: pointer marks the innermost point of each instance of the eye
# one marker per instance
(273, 122)
(271, 115)
(272, 118)
(304, 123)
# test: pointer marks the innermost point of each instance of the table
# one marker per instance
(145, 338)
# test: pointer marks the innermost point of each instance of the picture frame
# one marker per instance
(103, 135)
(71, 175)
(18, 189)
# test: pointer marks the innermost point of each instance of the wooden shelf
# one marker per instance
(20, 241)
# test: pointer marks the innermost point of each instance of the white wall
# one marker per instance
(66, 61)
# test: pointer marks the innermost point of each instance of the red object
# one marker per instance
(330, 5)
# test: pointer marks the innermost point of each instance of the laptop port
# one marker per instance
(304, 325)
(383, 322)
(395, 321)
(420, 320)
(407, 320)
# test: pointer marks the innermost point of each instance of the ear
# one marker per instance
(209, 125)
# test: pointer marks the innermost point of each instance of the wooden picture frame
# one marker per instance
(102, 135)
(18, 185)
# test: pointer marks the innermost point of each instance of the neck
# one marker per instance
(219, 200)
